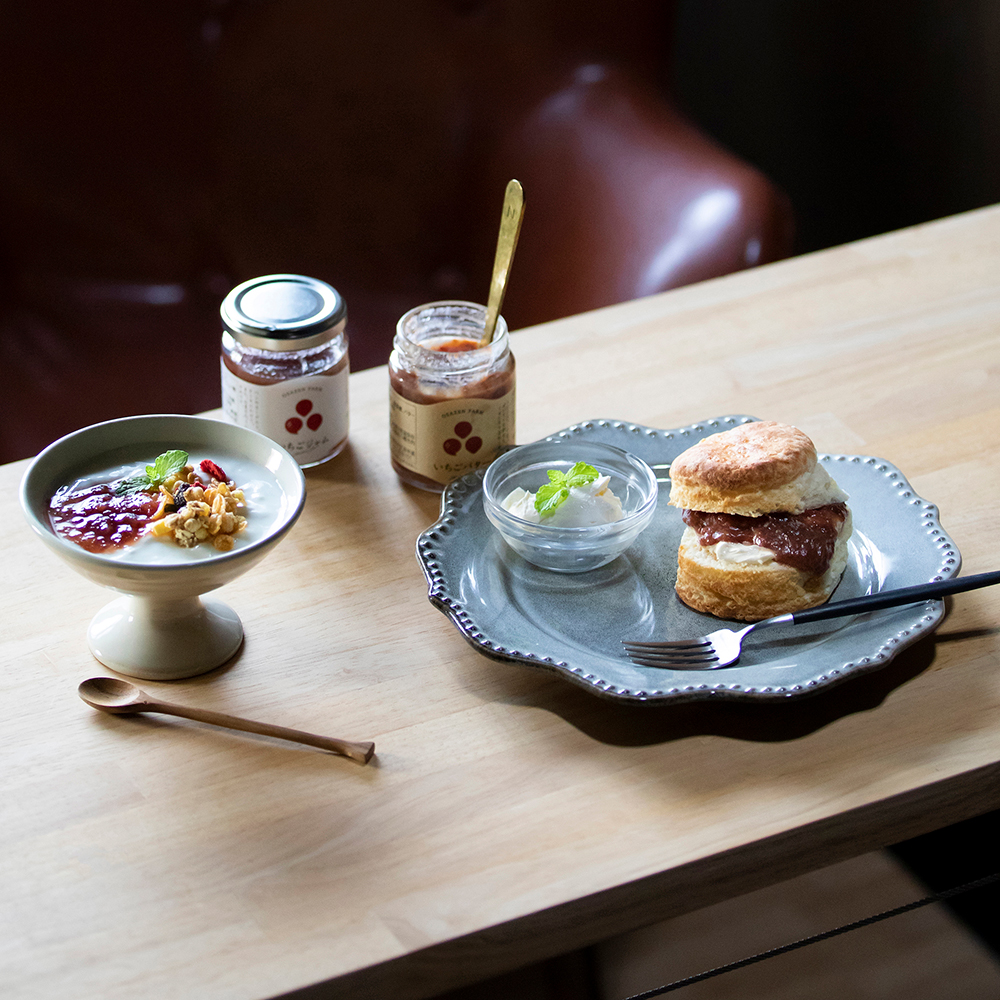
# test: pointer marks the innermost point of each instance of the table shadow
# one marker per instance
(622, 723)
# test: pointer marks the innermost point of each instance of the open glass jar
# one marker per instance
(285, 364)
(451, 401)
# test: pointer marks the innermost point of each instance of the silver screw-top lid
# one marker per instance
(284, 312)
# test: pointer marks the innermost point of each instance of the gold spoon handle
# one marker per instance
(361, 752)
(510, 229)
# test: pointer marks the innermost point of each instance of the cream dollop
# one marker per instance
(734, 552)
(818, 489)
(585, 506)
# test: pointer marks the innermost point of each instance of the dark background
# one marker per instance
(871, 114)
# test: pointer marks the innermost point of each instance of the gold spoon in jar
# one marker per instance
(510, 229)
(110, 694)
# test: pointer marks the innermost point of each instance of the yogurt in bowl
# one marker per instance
(127, 525)
(162, 630)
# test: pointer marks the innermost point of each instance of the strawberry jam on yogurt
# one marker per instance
(98, 520)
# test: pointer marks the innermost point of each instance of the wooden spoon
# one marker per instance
(510, 229)
(110, 694)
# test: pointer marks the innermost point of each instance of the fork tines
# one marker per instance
(678, 644)
(686, 654)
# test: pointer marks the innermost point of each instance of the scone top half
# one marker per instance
(751, 470)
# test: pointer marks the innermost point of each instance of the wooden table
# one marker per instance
(509, 815)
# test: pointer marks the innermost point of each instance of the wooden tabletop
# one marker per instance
(508, 815)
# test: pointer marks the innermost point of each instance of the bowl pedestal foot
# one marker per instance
(164, 640)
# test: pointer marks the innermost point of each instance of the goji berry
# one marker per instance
(209, 467)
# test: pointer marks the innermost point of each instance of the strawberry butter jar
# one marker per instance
(451, 398)
(285, 365)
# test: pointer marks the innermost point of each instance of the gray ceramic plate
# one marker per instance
(511, 610)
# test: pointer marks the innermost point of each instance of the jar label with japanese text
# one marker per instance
(443, 441)
(308, 416)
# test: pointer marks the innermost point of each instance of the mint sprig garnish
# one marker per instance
(556, 491)
(165, 466)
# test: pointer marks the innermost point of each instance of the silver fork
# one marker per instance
(722, 648)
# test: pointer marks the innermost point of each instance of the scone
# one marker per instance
(767, 526)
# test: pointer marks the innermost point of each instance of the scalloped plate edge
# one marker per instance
(454, 495)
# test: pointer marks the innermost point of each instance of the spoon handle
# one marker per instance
(510, 229)
(361, 752)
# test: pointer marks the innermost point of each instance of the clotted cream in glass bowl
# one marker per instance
(591, 524)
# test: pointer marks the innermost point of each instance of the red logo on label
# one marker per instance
(462, 430)
(303, 407)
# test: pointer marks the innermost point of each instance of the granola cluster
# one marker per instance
(192, 512)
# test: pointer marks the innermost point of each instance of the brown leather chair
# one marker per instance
(154, 155)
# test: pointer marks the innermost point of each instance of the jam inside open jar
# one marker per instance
(451, 401)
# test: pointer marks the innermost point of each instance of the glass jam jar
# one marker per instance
(285, 364)
(451, 402)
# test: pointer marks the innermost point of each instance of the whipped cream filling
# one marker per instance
(819, 488)
(755, 555)
(585, 506)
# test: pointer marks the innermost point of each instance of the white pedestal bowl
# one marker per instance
(161, 629)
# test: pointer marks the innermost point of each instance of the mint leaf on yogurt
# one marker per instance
(166, 465)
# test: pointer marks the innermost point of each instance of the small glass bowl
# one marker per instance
(569, 550)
